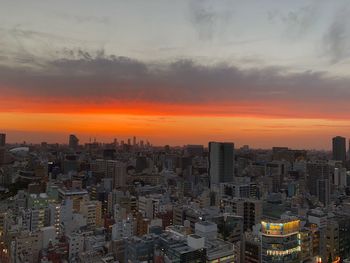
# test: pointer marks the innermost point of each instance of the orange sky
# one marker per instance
(255, 124)
(172, 129)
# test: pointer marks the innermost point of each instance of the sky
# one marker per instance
(262, 73)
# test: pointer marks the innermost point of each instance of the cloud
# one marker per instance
(297, 22)
(224, 89)
(209, 20)
(336, 41)
(104, 20)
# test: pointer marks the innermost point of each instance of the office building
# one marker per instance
(221, 163)
(339, 148)
(249, 209)
(2, 148)
(279, 241)
(317, 171)
(73, 142)
(323, 191)
(2, 139)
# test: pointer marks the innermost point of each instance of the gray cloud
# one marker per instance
(297, 22)
(102, 78)
(209, 20)
(85, 18)
(336, 41)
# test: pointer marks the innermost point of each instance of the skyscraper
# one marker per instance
(2, 139)
(73, 141)
(317, 171)
(2, 147)
(339, 148)
(221, 160)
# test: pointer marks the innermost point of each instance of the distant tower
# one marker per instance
(134, 140)
(221, 161)
(2, 139)
(2, 147)
(73, 141)
(339, 148)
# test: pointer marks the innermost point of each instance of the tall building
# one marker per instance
(73, 141)
(2, 147)
(323, 191)
(2, 139)
(339, 148)
(221, 161)
(317, 171)
(249, 209)
(279, 241)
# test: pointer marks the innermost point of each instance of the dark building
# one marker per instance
(140, 249)
(230, 227)
(109, 154)
(252, 250)
(221, 158)
(339, 148)
(2, 147)
(141, 164)
(194, 150)
(344, 235)
(178, 250)
(2, 139)
(317, 171)
(323, 191)
(73, 141)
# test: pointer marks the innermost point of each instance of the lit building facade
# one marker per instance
(280, 241)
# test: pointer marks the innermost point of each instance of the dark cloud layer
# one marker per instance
(100, 78)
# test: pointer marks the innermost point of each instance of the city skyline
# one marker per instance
(251, 73)
(186, 131)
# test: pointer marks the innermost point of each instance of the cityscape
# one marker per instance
(186, 131)
(130, 201)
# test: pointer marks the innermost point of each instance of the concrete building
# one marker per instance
(279, 241)
(76, 245)
(315, 171)
(76, 195)
(92, 211)
(123, 228)
(27, 247)
(339, 148)
(249, 209)
(221, 163)
(73, 142)
(2, 139)
(140, 249)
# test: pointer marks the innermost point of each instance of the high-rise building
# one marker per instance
(73, 141)
(2, 139)
(221, 161)
(323, 191)
(317, 171)
(249, 209)
(279, 241)
(339, 148)
(2, 147)
(92, 210)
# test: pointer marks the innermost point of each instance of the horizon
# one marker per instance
(91, 139)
